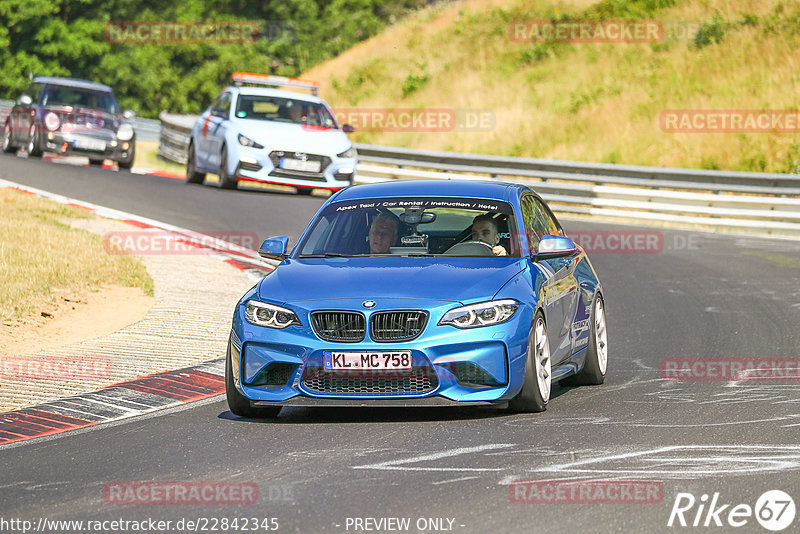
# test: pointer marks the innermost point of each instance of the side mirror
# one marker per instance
(24, 100)
(555, 246)
(128, 114)
(348, 128)
(274, 248)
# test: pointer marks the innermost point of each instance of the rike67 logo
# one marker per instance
(774, 510)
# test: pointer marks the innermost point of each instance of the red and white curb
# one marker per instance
(115, 402)
(242, 258)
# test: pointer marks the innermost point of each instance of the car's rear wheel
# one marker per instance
(594, 370)
(535, 391)
(226, 181)
(33, 142)
(304, 191)
(8, 145)
(238, 403)
(96, 162)
(192, 176)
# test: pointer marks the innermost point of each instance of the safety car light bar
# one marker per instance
(240, 78)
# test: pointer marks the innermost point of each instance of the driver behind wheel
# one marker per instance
(484, 228)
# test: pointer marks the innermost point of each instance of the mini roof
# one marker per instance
(72, 82)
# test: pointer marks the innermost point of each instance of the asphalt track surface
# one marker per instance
(702, 296)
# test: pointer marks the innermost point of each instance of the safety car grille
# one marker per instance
(342, 326)
(468, 373)
(397, 325)
(418, 380)
(276, 155)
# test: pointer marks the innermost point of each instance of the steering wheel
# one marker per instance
(470, 248)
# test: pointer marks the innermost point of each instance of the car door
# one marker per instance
(22, 114)
(560, 289)
(201, 140)
(217, 123)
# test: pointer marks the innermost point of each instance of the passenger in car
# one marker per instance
(383, 233)
(484, 228)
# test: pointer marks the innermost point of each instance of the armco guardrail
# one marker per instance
(146, 129)
(768, 203)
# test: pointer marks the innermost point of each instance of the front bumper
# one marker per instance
(450, 366)
(257, 165)
(94, 146)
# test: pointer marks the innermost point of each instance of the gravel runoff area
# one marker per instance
(195, 295)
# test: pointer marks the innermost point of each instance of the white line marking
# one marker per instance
(453, 480)
(395, 465)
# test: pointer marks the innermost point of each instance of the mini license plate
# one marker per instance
(338, 361)
(89, 144)
(300, 165)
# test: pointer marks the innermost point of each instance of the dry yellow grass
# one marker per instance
(591, 102)
(41, 256)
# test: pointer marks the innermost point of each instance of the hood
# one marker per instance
(294, 137)
(84, 120)
(431, 278)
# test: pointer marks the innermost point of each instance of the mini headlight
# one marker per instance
(481, 314)
(269, 315)
(125, 132)
(51, 121)
(246, 141)
(349, 153)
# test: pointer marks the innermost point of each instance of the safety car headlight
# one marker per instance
(269, 315)
(481, 314)
(349, 153)
(246, 141)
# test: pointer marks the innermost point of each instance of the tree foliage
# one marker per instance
(66, 38)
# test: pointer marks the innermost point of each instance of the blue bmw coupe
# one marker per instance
(414, 293)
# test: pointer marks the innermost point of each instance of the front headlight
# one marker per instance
(125, 132)
(263, 314)
(349, 153)
(481, 314)
(51, 121)
(246, 141)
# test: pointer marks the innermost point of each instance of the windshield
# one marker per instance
(413, 227)
(56, 95)
(272, 108)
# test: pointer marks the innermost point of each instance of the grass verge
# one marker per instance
(40, 256)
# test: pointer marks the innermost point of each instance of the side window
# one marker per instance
(224, 105)
(33, 91)
(530, 217)
(215, 103)
(548, 222)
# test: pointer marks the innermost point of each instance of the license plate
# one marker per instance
(300, 165)
(89, 144)
(339, 361)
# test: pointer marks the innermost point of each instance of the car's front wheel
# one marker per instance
(594, 370)
(535, 392)
(8, 146)
(226, 181)
(192, 175)
(238, 403)
(34, 149)
(127, 163)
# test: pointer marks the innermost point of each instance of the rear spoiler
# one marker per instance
(240, 78)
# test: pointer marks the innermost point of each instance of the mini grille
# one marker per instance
(397, 325)
(343, 326)
(418, 380)
(470, 374)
